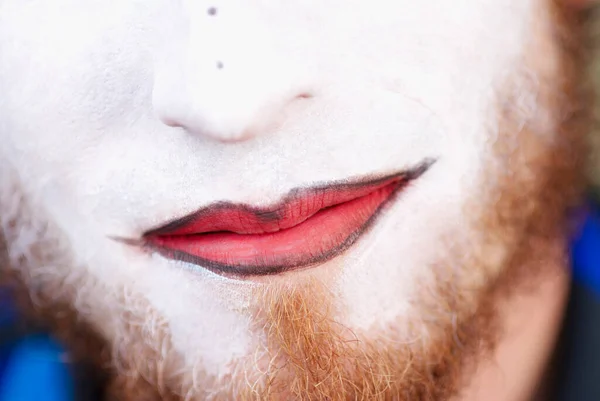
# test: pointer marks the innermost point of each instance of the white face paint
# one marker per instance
(120, 115)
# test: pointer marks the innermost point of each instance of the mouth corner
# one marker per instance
(308, 227)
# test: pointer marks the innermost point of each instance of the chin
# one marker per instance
(362, 280)
(402, 311)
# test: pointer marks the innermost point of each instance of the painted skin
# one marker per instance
(117, 116)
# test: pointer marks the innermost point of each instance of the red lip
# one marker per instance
(308, 227)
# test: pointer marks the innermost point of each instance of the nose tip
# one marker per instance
(246, 93)
(227, 75)
(227, 78)
(228, 111)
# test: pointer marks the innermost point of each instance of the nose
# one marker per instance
(220, 76)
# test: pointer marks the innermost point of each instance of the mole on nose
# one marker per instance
(224, 80)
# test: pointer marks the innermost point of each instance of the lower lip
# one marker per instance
(317, 239)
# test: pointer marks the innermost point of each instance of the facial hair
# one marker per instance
(531, 181)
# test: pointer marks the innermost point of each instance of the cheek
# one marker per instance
(385, 275)
(82, 78)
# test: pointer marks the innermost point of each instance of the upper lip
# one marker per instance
(246, 219)
(307, 227)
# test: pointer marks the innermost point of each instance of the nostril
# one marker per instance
(170, 122)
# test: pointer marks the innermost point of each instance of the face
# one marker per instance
(248, 198)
